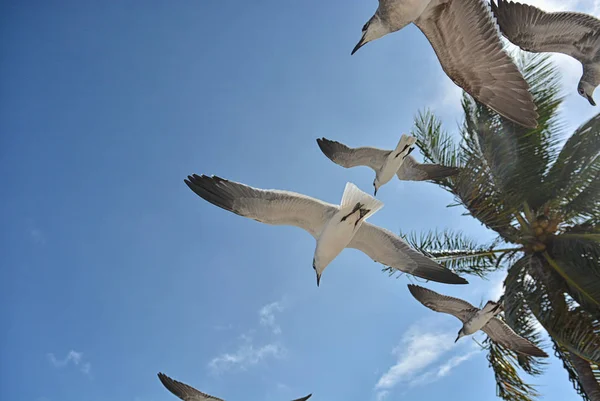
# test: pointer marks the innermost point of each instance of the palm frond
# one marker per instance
(457, 251)
(577, 260)
(509, 385)
(518, 315)
(574, 171)
(566, 322)
(437, 146)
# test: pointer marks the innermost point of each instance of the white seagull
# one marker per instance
(334, 227)
(386, 163)
(188, 393)
(467, 43)
(475, 319)
(571, 33)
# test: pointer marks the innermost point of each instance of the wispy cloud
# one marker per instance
(417, 350)
(246, 355)
(72, 358)
(267, 316)
(247, 352)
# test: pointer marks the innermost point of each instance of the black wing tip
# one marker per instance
(306, 397)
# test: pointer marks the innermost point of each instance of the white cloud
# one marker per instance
(73, 357)
(444, 369)
(267, 316)
(497, 288)
(417, 350)
(248, 353)
(245, 356)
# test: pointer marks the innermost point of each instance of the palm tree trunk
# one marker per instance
(586, 377)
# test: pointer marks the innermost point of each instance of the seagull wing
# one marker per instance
(387, 248)
(443, 303)
(411, 170)
(183, 391)
(467, 43)
(267, 206)
(571, 33)
(501, 333)
(352, 157)
(303, 398)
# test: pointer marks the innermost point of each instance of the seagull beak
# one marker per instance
(360, 44)
(457, 338)
(591, 100)
(318, 279)
(375, 192)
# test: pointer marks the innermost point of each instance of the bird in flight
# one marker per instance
(466, 40)
(335, 227)
(386, 163)
(475, 319)
(571, 33)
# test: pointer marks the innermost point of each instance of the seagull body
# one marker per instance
(475, 319)
(189, 393)
(334, 227)
(385, 163)
(467, 43)
(571, 33)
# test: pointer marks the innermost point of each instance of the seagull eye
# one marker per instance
(580, 90)
(364, 28)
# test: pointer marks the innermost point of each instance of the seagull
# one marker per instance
(475, 319)
(467, 43)
(386, 163)
(334, 227)
(571, 33)
(188, 393)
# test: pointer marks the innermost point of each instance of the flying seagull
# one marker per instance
(467, 43)
(475, 319)
(188, 393)
(574, 34)
(334, 227)
(386, 163)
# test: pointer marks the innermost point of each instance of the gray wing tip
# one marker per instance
(327, 147)
(439, 275)
(169, 384)
(418, 292)
(211, 189)
(306, 397)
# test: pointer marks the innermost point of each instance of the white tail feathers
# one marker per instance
(353, 195)
(406, 141)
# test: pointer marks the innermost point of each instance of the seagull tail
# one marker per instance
(353, 195)
(405, 140)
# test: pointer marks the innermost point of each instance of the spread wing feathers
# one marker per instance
(303, 398)
(467, 43)
(412, 170)
(389, 249)
(501, 333)
(534, 30)
(183, 391)
(352, 157)
(443, 303)
(267, 206)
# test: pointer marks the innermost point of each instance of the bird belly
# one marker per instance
(335, 237)
(476, 323)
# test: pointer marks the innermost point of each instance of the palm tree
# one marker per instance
(543, 202)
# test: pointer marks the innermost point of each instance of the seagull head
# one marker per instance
(460, 334)
(376, 185)
(586, 90)
(373, 29)
(318, 271)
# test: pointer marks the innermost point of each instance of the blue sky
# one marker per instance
(113, 270)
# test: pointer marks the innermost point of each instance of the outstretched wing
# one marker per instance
(352, 157)
(443, 303)
(467, 43)
(267, 206)
(387, 248)
(534, 30)
(183, 391)
(411, 170)
(501, 333)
